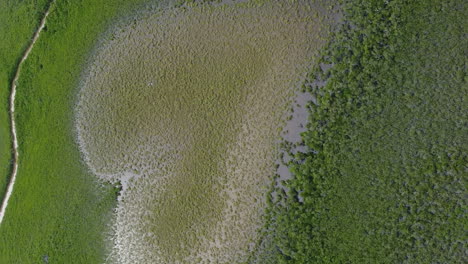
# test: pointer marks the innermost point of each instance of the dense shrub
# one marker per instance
(384, 180)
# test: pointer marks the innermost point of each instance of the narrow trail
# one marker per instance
(11, 184)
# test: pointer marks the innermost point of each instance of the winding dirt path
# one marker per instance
(14, 172)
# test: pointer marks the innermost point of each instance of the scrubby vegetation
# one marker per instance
(385, 175)
(183, 108)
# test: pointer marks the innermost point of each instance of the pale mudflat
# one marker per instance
(183, 108)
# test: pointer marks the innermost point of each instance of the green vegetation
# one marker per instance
(183, 108)
(385, 180)
(18, 22)
(56, 209)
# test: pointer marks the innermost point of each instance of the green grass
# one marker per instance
(18, 22)
(385, 180)
(56, 207)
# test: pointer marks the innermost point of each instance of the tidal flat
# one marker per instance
(183, 108)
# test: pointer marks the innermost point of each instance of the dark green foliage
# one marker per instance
(385, 179)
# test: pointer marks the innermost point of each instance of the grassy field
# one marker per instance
(184, 108)
(56, 209)
(385, 179)
(18, 20)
